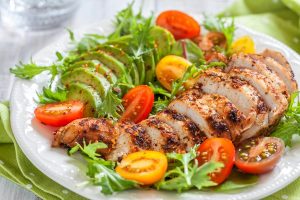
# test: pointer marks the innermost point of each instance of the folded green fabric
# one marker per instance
(279, 19)
(15, 166)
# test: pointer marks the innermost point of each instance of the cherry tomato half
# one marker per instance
(59, 114)
(259, 155)
(179, 24)
(145, 167)
(138, 103)
(219, 150)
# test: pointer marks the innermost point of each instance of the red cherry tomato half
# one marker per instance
(219, 150)
(179, 24)
(59, 114)
(138, 103)
(259, 155)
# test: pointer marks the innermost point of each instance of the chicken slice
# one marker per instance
(163, 137)
(233, 117)
(206, 118)
(274, 100)
(251, 62)
(89, 130)
(241, 94)
(278, 63)
(188, 132)
(130, 138)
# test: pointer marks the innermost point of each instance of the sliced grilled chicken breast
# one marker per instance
(130, 138)
(206, 118)
(163, 137)
(188, 132)
(274, 100)
(89, 130)
(278, 63)
(233, 117)
(241, 94)
(251, 62)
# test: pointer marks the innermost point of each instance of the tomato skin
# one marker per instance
(169, 69)
(219, 150)
(179, 24)
(138, 103)
(243, 44)
(264, 165)
(145, 167)
(59, 114)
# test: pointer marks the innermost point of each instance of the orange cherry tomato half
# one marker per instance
(145, 167)
(59, 114)
(219, 150)
(259, 155)
(138, 103)
(179, 24)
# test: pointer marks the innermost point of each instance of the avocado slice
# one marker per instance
(116, 66)
(89, 77)
(123, 57)
(95, 65)
(88, 95)
(163, 40)
(149, 61)
(141, 69)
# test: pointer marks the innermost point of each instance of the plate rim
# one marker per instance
(54, 176)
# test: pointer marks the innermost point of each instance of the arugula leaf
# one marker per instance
(218, 24)
(184, 172)
(111, 106)
(30, 70)
(50, 96)
(100, 171)
(189, 50)
(290, 123)
(107, 178)
(237, 180)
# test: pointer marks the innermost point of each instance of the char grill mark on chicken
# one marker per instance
(206, 118)
(234, 118)
(89, 130)
(130, 138)
(188, 132)
(251, 62)
(163, 137)
(278, 63)
(274, 100)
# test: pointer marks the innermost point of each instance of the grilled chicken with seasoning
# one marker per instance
(278, 63)
(246, 99)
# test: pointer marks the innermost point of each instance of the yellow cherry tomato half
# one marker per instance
(171, 68)
(145, 167)
(243, 44)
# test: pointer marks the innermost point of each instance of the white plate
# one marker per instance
(35, 138)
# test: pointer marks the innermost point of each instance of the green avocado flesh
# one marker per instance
(124, 58)
(95, 65)
(88, 95)
(163, 40)
(89, 77)
(112, 63)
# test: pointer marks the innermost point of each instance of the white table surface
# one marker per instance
(20, 45)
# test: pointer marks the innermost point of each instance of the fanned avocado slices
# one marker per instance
(163, 40)
(149, 62)
(112, 63)
(95, 65)
(89, 77)
(123, 57)
(88, 95)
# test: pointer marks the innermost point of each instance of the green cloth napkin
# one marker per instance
(277, 18)
(15, 166)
